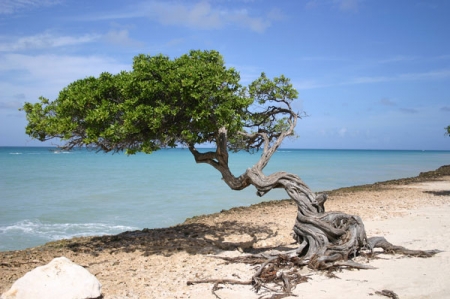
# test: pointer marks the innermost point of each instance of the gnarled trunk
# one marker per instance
(325, 239)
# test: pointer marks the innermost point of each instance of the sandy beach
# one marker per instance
(158, 263)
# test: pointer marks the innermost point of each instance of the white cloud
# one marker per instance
(348, 5)
(311, 4)
(431, 75)
(45, 40)
(13, 104)
(342, 5)
(308, 84)
(398, 58)
(387, 102)
(121, 37)
(442, 57)
(46, 75)
(244, 20)
(201, 15)
(58, 67)
(276, 14)
(174, 42)
(424, 76)
(342, 132)
(12, 6)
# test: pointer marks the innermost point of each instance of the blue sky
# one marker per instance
(372, 74)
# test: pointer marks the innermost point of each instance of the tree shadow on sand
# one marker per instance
(194, 238)
(438, 193)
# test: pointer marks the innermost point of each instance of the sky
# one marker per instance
(371, 74)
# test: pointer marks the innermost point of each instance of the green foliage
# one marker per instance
(162, 102)
(272, 113)
(447, 131)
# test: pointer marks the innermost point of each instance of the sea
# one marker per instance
(47, 194)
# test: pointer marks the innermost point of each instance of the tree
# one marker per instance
(196, 99)
(447, 131)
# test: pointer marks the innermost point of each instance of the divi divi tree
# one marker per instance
(196, 99)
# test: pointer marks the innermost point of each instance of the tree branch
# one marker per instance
(219, 160)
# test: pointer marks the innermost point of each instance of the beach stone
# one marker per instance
(59, 279)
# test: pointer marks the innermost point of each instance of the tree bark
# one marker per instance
(323, 237)
(326, 239)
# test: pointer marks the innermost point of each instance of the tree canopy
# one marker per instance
(164, 102)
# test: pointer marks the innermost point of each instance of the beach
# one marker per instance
(158, 263)
(48, 195)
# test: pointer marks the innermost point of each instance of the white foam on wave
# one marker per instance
(61, 152)
(56, 231)
(19, 153)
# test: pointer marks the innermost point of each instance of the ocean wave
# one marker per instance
(61, 152)
(57, 231)
(15, 153)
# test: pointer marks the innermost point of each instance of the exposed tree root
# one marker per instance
(280, 274)
(216, 283)
(380, 242)
(387, 293)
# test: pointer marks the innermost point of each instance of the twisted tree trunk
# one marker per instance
(323, 237)
(326, 239)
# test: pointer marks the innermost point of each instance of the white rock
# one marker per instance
(59, 279)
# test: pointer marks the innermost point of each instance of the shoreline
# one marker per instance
(156, 263)
(426, 176)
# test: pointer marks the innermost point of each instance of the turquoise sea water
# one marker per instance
(47, 194)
